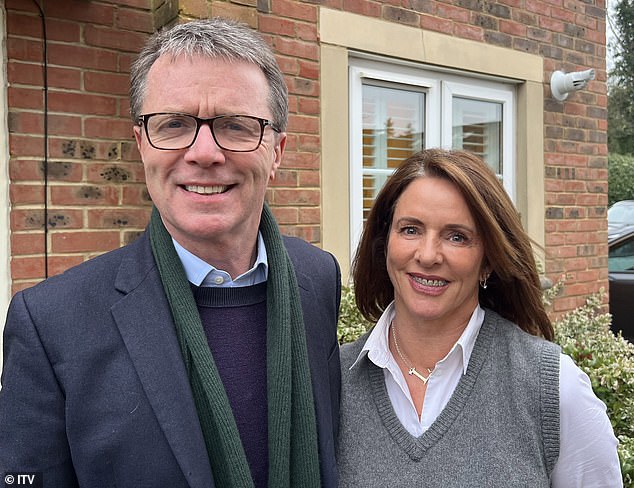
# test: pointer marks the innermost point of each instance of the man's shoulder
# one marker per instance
(100, 269)
(308, 257)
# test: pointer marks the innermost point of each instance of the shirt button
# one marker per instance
(219, 280)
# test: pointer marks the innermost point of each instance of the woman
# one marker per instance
(457, 385)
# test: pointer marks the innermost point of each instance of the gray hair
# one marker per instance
(214, 38)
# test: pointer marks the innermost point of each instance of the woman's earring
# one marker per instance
(483, 283)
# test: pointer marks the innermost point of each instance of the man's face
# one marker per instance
(206, 195)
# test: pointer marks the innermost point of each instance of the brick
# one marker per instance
(26, 219)
(300, 49)
(20, 24)
(513, 28)
(248, 15)
(114, 128)
(80, 11)
(363, 7)
(64, 219)
(62, 30)
(59, 264)
(430, 22)
(94, 241)
(309, 179)
(286, 215)
(25, 194)
(118, 218)
(303, 124)
(308, 69)
(301, 160)
(84, 195)
(86, 104)
(110, 83)
(25, 170)
(277, 26)
(195, 8)
(82, 57)
(300, 86)
(119, 173)
(400, 15)
(285, 178)
(27, 267)
(27, 243)
(130, 19)
(452, 12)
(295, 10)
(135, 195)
(309, 106)
(24, 73)
(22, 145)
(296, 197)
(468, 32)
(25, 98)
(25, 49)
(307, 32)
(310, 215)
(120, 40)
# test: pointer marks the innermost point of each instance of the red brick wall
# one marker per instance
(96, 195)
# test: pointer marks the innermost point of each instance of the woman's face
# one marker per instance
(434, 255)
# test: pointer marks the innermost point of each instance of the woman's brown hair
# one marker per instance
(513, 288)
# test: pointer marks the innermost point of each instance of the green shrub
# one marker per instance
(620, 178)
(351, 323)
(584, 334)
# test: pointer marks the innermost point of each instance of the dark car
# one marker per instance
(620, 216)
(621, 280)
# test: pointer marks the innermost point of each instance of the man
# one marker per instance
(205, 353)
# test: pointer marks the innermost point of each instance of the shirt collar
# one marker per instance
(201, 273)
(377, 349)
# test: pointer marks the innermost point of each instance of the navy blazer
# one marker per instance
(94, 388)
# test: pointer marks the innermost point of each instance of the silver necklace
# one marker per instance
(411, 369)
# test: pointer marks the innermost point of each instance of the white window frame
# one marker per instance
(487, 92)
(364, 69)
(439, 88)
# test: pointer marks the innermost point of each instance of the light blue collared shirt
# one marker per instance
(201, 273)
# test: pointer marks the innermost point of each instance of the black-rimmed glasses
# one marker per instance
(236, 133)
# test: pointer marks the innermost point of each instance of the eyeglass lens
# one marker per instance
(178, 131)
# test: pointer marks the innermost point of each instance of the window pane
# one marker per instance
(621, 256)
(392, 131)
(477, 128)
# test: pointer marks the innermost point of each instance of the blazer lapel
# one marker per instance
(146, 326)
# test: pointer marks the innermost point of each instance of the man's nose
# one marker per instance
(205, 149)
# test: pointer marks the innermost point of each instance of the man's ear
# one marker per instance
(137, 136)
(278, 151)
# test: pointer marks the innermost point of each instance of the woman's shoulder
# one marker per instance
(350, 351)
(509, 331)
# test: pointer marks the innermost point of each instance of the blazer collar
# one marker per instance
(146, 326)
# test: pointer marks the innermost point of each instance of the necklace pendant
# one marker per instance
(412, 371)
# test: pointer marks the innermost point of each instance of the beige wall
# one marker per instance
(5, 269)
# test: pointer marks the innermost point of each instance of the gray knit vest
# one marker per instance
(499, 429)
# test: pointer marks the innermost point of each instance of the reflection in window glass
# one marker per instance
(477, 127)
(392, 131)
(621, 256)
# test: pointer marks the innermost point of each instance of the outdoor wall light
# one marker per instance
(563, 83)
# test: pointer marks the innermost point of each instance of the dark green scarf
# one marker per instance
(293, 452)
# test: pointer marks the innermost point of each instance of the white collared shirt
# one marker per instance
(201, 273)
(587, 457)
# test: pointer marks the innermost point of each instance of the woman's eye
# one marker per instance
(409, 230)
(458, 238)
